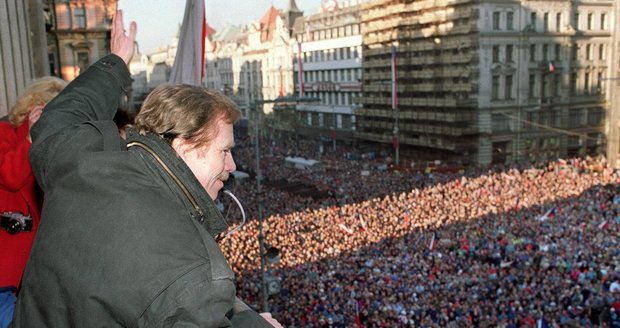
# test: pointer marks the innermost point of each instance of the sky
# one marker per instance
(159, 20)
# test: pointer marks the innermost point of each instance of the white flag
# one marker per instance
(189, 61)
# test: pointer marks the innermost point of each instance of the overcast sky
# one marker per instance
(159, 20)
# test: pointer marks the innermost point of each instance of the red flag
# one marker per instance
(188, 65)
(393, 66)
(464, 243)
(300, 75)
(358, 321)
(406, 219)
(550, 214)
(431, 246)
(281, 82)
(395, 142)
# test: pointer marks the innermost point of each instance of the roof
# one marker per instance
(268, 24)
(210, 30)
(227, 33)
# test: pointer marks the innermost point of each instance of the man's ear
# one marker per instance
(180, 146)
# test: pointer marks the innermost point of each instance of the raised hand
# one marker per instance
(122, 44)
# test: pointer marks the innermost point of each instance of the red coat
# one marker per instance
(18, 193)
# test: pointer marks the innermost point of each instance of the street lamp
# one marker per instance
(261, 236)
(266, 253)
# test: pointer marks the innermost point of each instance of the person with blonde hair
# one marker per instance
(20, 198)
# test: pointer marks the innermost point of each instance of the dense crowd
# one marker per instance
(496, 247)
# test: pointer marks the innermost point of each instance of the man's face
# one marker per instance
(213, 163)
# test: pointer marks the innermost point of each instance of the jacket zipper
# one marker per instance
(180, 184)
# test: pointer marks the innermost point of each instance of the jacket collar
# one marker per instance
(204, 209)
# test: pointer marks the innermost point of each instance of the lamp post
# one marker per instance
(263, 251)
(261, 236)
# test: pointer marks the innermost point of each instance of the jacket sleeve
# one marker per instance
(93, 96)
(14, 165)
(244, 316)
(194, 301)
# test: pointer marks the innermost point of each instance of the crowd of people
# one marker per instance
(506, 246)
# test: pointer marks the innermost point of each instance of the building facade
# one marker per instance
(79, 34)
(487, 82)
(327, 59)
(613, 98)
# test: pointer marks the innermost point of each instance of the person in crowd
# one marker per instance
(500, 246)
(20, 197)
(129, 230)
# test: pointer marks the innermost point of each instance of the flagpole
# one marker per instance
(395, 104)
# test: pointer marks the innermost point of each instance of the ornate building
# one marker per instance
(78, 34)
(253, 64)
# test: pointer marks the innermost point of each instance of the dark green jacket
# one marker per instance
(127, 235)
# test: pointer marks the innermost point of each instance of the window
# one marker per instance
(599, 83)
(500, 123)
(557, 52)
(576, 21)
(589, 26)
(533, 21)
(573, 84)
(595, 116)
(556, 85)
(601, 52)
(586, 83)
(545, 86)
(508, 93)
(546, 22)
(532, 83)
(533, 52)
(82, 60)
(603, 21)
(80, 17)
(558, 22)
(496, 20)
(509, 50)
(545, 54)
(588, 52)
(495, 87)
(52, 63)
(574, 52)
(510, 17)
(495, 54)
